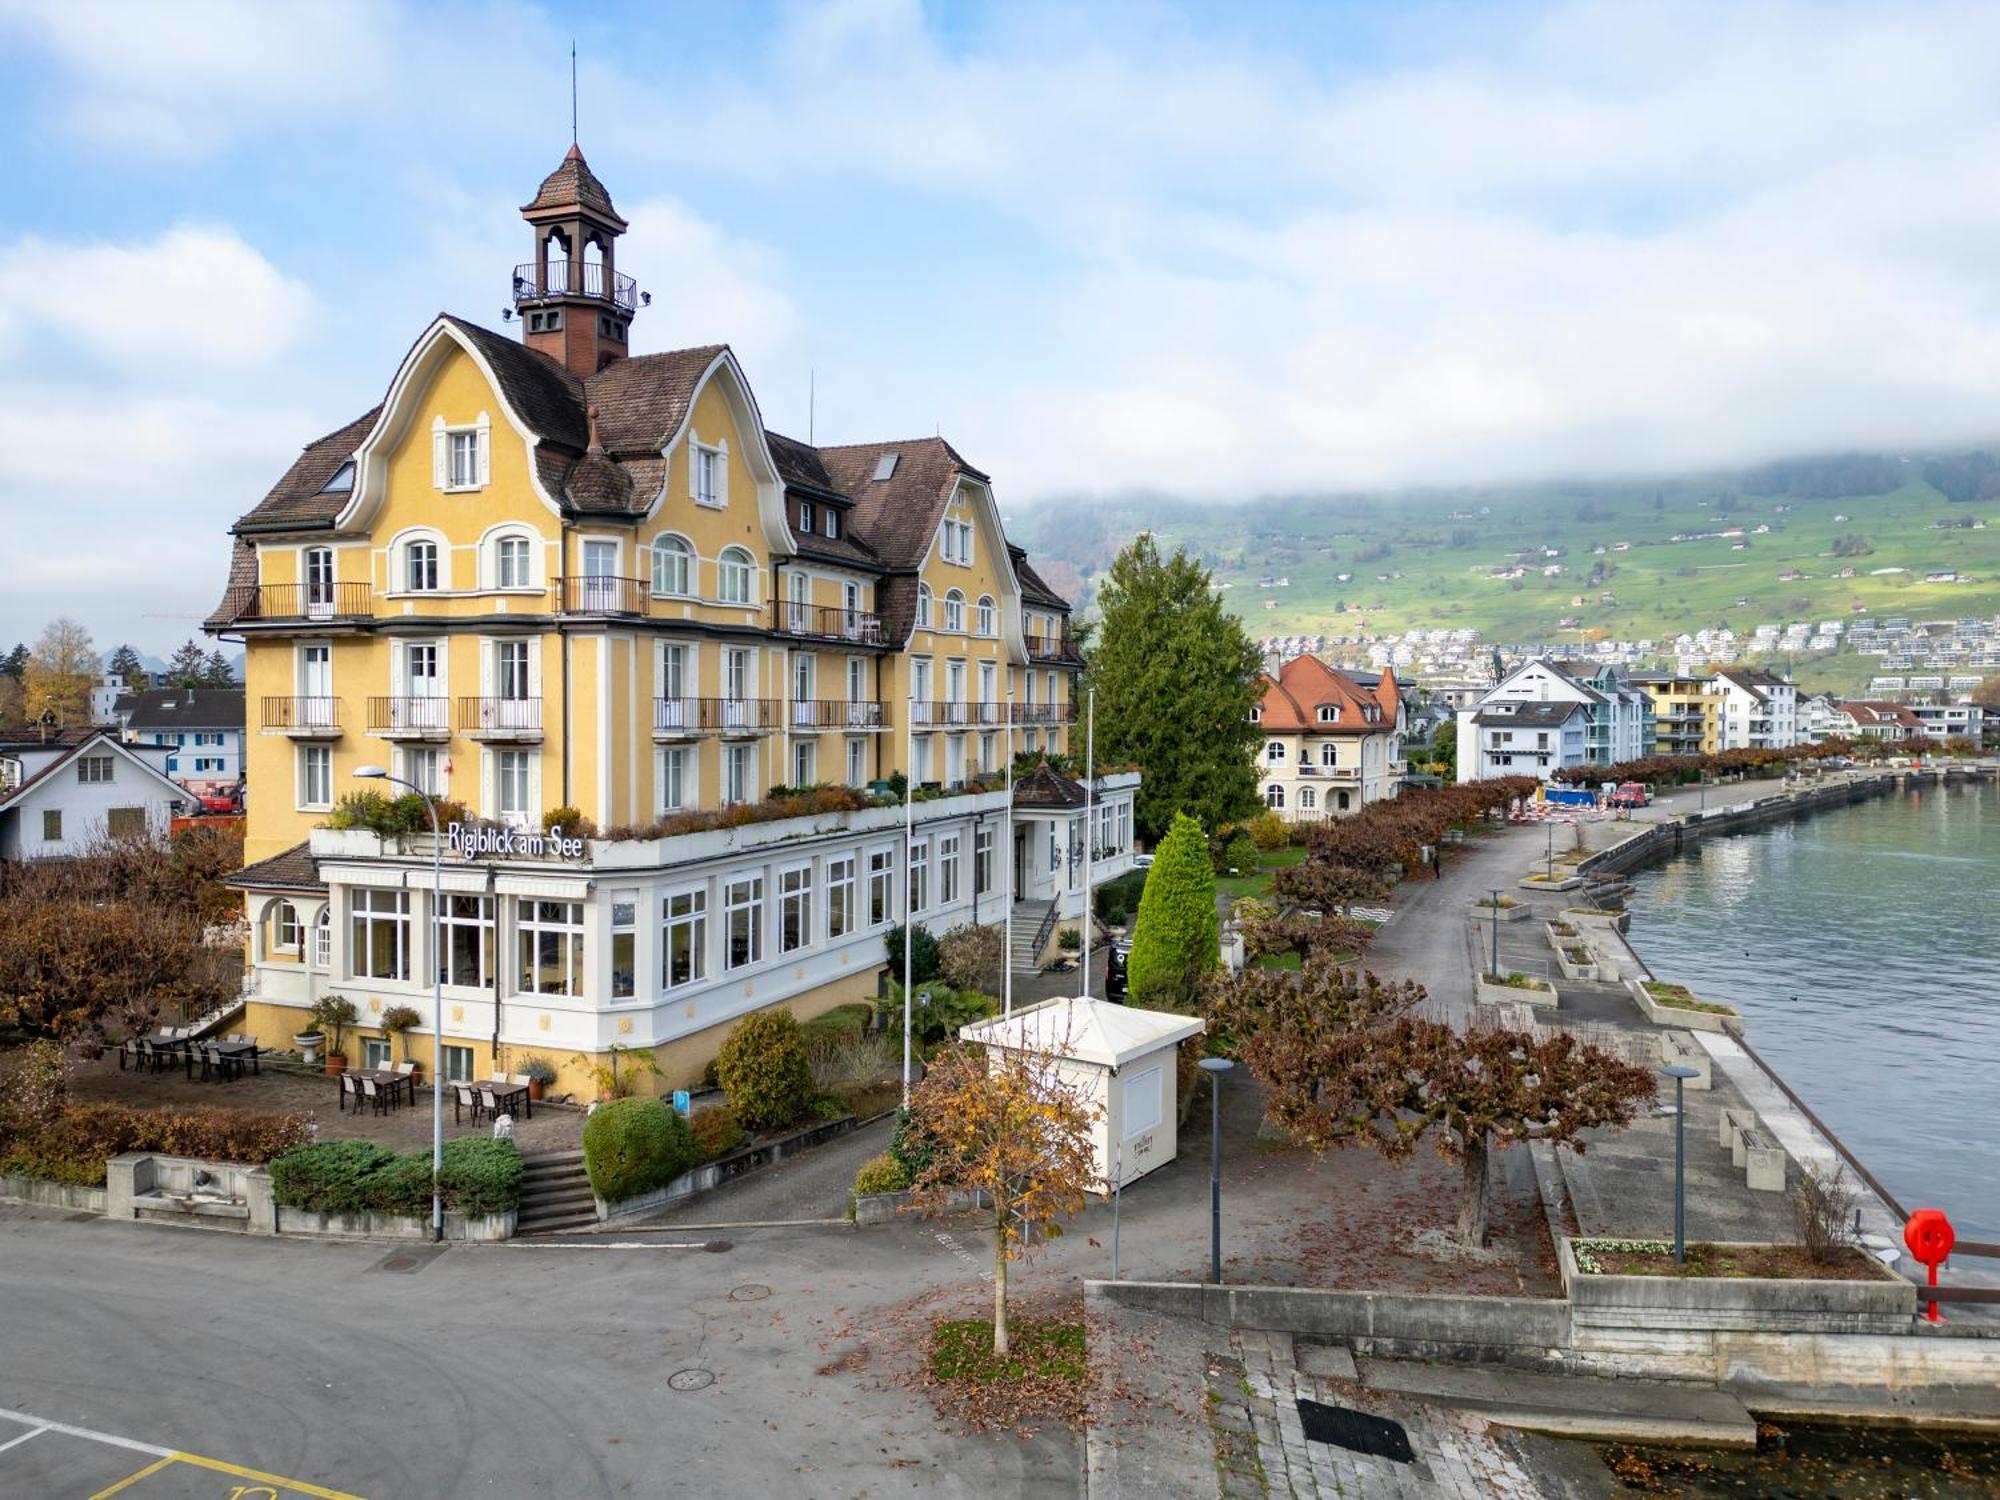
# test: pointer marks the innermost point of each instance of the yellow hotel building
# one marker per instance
(543, 574)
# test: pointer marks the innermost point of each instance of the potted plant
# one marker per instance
(540, 1073)
(334, 1015)
(397, 1021)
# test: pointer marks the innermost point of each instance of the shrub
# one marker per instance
(938, 1013)
(923, 954)
(393, 815)
(398, 1020)
(1239, 855)
(1823, 1211)
(844, 1023)
(479, 1176)
(331, 1017)
(763, 1069)
(73, 1145)
(881, 1174)
(973, 958)
(538, 1070)
(714, 1133)
(1268, 831)
(631, 1146)
(1177, 938)
(1069, 939)
(911, 1149)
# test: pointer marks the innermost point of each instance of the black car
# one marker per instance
(1114, 970)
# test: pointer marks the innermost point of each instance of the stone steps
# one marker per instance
(555, 1194)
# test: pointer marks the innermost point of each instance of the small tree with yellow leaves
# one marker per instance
(1006, 1125)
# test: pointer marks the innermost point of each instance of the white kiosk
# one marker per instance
(1120, 1059)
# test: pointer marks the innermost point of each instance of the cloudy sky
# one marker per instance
(1219, 250)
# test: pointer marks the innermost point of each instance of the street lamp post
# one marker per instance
(1680, 1076)
(1494, 970)
(377, 773)
(1216, 1068)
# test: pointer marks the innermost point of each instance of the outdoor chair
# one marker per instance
(496, 1076)
(148, 1055)
(128, 1051)
(373, 1095)
(490, 1104)
(348, 1091)
(522, 1079)
(463, 1098)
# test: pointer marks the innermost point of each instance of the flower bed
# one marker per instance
(1773, 1262)
(1510, 909)
(1514, 989)
(1634, 1284)
(1576, 962)
(1676, 1005)
(1044, 1374)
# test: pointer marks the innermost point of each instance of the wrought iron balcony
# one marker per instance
(568, 278)
(500, 718)
(938, 714)
(308, 718)
(410, 718)
(809, 714)
(826, 622)
(593, 595)
(673, 717)
(1044, 713)
(1053, 648)
(289, 603)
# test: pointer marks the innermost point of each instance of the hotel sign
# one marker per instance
(471, 841)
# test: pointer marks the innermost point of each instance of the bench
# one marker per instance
(1762, 1160)
(1679, 1049)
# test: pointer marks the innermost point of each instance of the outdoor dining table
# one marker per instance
(389, 1080)
(506, 1095)
(166, 1048)
(236, 1052)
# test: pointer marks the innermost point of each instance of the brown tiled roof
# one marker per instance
(800, 465)
(1046, 787)
(1293, 698)
(899, 515)
(242, 578)
(297, 499)
(1034, 588)
(293, 870)
(571, 183)
(598, 485)
(541, 392)
(642, 401)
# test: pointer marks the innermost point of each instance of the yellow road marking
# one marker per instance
(131, 1479)
(295, 1486)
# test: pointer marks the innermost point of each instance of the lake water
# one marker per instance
(1862, 947)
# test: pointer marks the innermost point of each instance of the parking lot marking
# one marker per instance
(15, 1442)
(165, 1458)
(89, 1433)
(275, 1481)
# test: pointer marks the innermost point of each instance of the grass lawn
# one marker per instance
(1258, 886)
(962, 1352)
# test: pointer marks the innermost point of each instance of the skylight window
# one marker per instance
(885, 466)
(342, 480)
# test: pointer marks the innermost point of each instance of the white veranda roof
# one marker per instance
(1093, 1031)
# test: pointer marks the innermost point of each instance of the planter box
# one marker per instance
(886, 1208)
(479, 1229)
(1880, 1304)
(1488, 993)
(1581, 916)
(1562, 882)
(698, 1180)
(1518, 912)
(1572, 968)
(1676, 1015)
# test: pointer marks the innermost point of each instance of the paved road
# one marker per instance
(492, 1371)
(1426, 939)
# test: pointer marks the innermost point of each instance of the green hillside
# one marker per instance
(1427, 559)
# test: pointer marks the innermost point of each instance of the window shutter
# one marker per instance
(693, 449)
(485, 426)
(722, 472)
(440, 458)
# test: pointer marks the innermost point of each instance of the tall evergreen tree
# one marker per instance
(1176, 939)
(218, 673)
(125, 663)
(187, 667)
(1176, 678)
(15, 663)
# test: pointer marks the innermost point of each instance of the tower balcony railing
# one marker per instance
(535, 281)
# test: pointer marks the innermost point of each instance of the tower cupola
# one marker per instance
(574, 304)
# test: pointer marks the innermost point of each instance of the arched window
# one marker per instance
(954, 611)
(285, 928)
(923, 606)
(732, 576)
(420, 566)
(983, 614)
(513, 563)
(1329, 754)
(1308, 799)
(1274, 795)
(322, 954)
(673, 561)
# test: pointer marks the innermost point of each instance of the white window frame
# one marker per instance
(96, 770)
(881, 886)
(309, 757)
(531, 924)
(624, 933)
(857, 762)
(673, 553)
(501, 761)
(506, 577)
(675, 772)
(411, 581)
(708, 474)
(445, 475)
(920, 875)
(948, 869)
(795, 908)
(743, 896)
(367, 908)
(983, 615)
(287, 935)
(923, 606)
(735, 568)
(739, 774)
(840, 896)
(684, 907)
(954, 611)
(467, 912)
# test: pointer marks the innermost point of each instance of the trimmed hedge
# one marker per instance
(714, 1133)
(1177, 937)
(634, 1145)
(479, 1176)
(881, 1174)
(923, 954)
(763, 1068)
(74, 1146)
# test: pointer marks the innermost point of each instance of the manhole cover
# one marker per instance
(751, 1292)
(401, 1263)
(718, 1247)
(690, 1380)
(408, 1262)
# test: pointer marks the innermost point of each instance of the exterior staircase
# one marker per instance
(1023, 956)
(555, 1194)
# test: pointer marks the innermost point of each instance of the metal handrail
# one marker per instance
(1048, 926)
(307, 712)
(500, 714)
(560, 278)
(835, 713)
(827, 622)
(409, 714)
(594, 594)
(248, 602)
(699, 715)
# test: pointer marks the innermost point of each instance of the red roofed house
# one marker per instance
(1333, 740)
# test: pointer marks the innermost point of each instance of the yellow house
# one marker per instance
(557, 586)
(1687, 712)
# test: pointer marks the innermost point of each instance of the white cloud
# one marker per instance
(195, 297)
(707, 286)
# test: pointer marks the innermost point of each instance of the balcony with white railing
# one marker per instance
(731, 718)
(498, 720)
(410, 718)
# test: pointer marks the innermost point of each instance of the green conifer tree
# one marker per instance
(1177, 938)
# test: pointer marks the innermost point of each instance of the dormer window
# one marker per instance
(708, 474)
(1257, 714)
(1329, 713)
(955, 542)
(806, 517)
(341, 481)
(832, 524)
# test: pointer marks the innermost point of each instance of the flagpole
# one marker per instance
(909, 844)
(1007, 955)
(1089, 822)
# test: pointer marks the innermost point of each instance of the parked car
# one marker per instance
(1142, 861)
(1115, 963)
(1630, 794)
(227, 801)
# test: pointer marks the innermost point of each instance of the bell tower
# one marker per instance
(575, 307)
